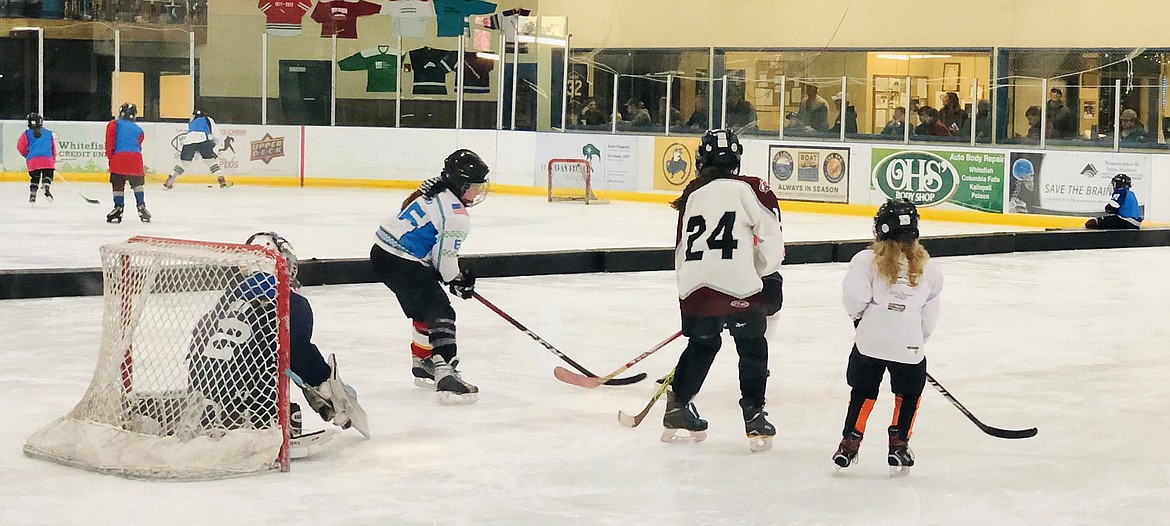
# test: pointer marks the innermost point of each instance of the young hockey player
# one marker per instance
(38, 146)
(124, 150)
(200, 139)
(416, 250)
(729, 249)
(1122, 212)
(891, 291)
(238, 321)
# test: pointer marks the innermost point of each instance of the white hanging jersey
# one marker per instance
(729, 235)
(896, 320)
(430, 231)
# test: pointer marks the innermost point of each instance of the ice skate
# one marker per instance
(143, 214)
(170, 183)
(682, 417)
(449, 383)
(223, 183)
(32, 198)
(300, 444)
(901, 457)
(424, 372)
(759, 430)
(846, 454)
(48, 194)
(115, 215)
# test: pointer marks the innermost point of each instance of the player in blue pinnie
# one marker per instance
(416, 250)
(38, 145)
(1122, 212)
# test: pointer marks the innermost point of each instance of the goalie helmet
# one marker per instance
(466, 175)
(281, 246)
(128, 111)
(896, 220)
(35, 121)
(1122, 181)
(719, 148)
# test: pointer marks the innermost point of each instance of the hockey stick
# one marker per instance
(616, 381)
(633, 421)
(570, 377)
(88, 200)
(993, 431)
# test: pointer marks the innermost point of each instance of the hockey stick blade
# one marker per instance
(88, 200)
(592, 382)
(633, 421)
(993, 431)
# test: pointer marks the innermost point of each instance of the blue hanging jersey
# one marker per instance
(430, 231)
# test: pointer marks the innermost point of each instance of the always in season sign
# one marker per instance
(969, 179)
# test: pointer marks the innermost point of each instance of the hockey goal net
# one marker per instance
(189, 382)
(571, 180)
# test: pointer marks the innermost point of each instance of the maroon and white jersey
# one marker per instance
(283, 17)
(729, 235)
(340, 18)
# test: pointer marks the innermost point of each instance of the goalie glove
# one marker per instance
(463, 285)
(773, 292)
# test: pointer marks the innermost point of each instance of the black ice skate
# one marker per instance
(115, 215)
(901, 457)
(48, 194)
(424, 372)
(32, 198)
(223, 183)
(759, 430)
(170, 182)
(449, 383)
(143, 213)
(682, 416)
(846, 454)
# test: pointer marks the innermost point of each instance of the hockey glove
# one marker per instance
(463, 285)
(773, 292)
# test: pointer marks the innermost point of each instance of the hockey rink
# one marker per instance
(1073, 343)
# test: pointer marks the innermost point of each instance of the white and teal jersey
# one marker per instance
(430, 231)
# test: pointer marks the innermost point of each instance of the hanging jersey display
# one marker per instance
(379, 63)
(430, 67)
(511, 23)
(452, 14)
(340, 18)
(479, 35)
(477, 73)
(283, 17)
(408, 18)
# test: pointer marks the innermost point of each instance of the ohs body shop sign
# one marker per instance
(967, 179)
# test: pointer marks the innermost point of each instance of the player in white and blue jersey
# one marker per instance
(200, 138)
(416, 251)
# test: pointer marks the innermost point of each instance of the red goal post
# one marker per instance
(189, 382)
(571, 180)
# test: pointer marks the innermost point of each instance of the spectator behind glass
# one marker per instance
(591, 115)
(740, 113)
(1132, 131)
(952, 114)
(636, 115)
(814, 111)
(675, 115)
(1064, 122)
(983, 120)
(699, 117)
(897, 125)
(930, 124)
(850, 114)
(1033, 116)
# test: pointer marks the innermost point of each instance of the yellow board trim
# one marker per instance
(931, 214)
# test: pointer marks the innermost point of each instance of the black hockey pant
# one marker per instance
(705, 338)
(421, 295)
(864, 375)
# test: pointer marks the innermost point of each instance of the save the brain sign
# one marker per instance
(968, 179)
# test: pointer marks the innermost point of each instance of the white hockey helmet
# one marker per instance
(281, 245)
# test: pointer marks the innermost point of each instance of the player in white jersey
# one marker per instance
(417, 250)
(729, 248)
(891, 291)
(200, 138)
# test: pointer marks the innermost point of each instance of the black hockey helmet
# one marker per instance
(896, 219)
(719, 148)
(198, 113)
(128, 111)
(281, 245)
(35, 121)
(1122, 181)
(463, 172)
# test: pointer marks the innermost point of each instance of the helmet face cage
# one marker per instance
(897, 219)
(283, 247)
(35, 120)
(1122, 181)
(719, 148)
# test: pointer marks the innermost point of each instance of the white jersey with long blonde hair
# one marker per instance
(896, 320)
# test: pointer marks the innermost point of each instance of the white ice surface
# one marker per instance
(1071, 342)
(340, 223)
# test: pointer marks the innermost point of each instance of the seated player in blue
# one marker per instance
(1123, 211)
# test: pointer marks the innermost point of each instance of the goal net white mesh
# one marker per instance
(571, 180)
(189, 381)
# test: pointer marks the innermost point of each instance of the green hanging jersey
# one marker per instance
(380, 65)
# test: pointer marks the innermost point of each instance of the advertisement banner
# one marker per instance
(968, 179)
(614, 158)
(802, 173)
(675, 166)
(1073, 183)
(242, 150)
(82, 147)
